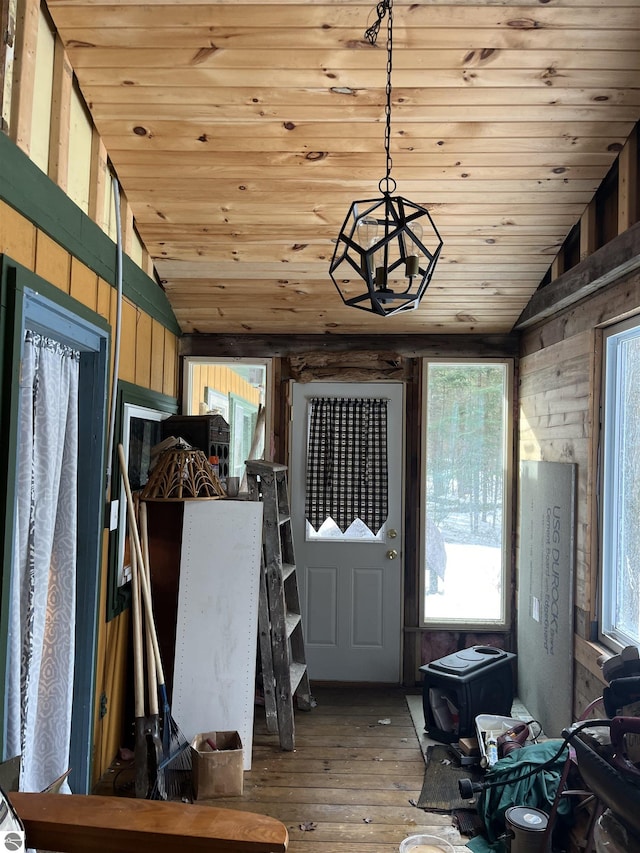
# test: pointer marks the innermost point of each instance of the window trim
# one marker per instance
(480, 626)
(129, 398)
(610, 637)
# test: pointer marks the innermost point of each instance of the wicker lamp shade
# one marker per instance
(182, 474)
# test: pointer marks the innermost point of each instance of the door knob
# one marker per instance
(392, 554)
(392, 534)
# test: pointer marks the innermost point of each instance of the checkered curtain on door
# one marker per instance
(347, 462)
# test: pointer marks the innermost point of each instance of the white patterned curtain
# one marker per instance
(347, 475)
(43, 590)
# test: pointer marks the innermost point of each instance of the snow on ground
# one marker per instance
(471, 588)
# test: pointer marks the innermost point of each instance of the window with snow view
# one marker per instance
(466, 482)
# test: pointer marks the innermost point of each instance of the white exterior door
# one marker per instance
(350, 586)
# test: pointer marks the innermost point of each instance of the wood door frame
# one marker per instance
(45, 308)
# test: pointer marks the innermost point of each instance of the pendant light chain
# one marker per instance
(385, 7)
(388, 247)
(387, 110)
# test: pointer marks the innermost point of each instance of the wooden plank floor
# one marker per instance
(350, 780)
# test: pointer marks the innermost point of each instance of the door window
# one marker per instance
(346, 468)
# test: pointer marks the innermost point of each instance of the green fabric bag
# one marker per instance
(537, 791)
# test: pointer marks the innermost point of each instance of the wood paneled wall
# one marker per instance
(46, 118)
(559, 397)
(560, 379)
(148, 358)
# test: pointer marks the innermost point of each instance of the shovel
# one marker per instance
(154, 741)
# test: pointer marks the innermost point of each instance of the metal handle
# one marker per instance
(392, 554)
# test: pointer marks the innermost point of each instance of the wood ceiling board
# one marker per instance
(341, 320)
(197, 215)
(193, 240)
(142, 162)
(357, 79)
(221, 269)
(534, 136)
(423, 38)
(217, 211)
(448, 14)
(251, 60)
(483, 226)
(321, 96)
(438, 289)
(320, 303)
(314, 252)
(402, 135)
(299, 189)
(318, 262)
(122, 101)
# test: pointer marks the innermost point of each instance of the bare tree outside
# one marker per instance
(465, 480)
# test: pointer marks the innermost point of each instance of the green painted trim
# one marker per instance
(11, 311)
(32, 281)
(24, 296)
(27, 189)
(138, 395)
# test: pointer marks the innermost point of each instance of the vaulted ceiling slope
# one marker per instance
(241, 133)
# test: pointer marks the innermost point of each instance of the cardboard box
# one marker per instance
(469, 746)
(217, 772)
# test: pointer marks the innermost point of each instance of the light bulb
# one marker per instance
(367, 230)
(366, 234)
(412, 265)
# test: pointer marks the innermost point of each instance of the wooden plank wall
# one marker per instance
(559, 399)
(149, 351)
(560, 384)
(148, 358)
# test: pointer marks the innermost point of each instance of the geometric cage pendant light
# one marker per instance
(388, 247)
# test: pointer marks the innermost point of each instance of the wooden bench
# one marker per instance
(76, 824)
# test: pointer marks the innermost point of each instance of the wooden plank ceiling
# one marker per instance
(242, 132)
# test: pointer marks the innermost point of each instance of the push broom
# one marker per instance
(141, 756)
(174, 776)
(175, 766)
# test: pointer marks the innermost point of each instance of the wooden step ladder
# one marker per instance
(281, 639)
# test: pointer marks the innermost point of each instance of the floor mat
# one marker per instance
(468, 821)
(440, 786)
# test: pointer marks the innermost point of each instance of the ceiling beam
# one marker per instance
(410, 346)
(618, 258)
